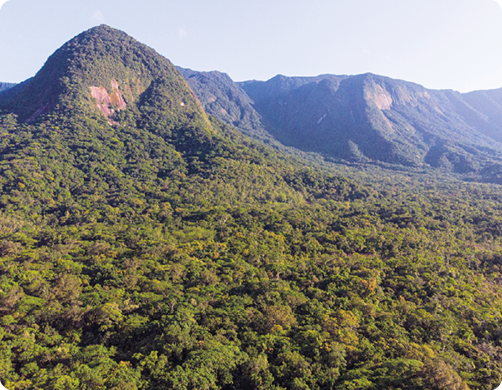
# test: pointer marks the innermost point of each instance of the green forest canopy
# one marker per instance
(170, 251)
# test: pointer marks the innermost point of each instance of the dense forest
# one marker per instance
(154, 247)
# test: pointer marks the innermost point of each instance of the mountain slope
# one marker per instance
(489, 105)
(369, 118)
(224, 99)
(374, 117)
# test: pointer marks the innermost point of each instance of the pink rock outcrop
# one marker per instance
(108, 103)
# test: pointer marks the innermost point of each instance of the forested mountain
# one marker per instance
(146, 245)
(224, 99)
(369, 118)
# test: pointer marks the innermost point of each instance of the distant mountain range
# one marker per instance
(364, 118)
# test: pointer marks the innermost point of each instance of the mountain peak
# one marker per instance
(91, 59)
(101, 68)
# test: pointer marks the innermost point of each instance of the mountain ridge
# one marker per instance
(363, 118)
(370, 118)
(103, 90)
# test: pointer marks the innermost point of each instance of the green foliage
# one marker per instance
(366, 119)
(167, 250)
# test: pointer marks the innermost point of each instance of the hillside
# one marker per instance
(146, 245)
(228, 102)
(374, 119)
(224, 99)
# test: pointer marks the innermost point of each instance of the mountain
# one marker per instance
(103, 98)
(224, 99)
(117, 70)
(228, 102)
(370, 118)
(488, 108)
(144, 244)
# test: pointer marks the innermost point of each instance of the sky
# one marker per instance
(441, 44)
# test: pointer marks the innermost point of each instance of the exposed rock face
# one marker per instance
(116, 96)
(109, 103)
(380, 97)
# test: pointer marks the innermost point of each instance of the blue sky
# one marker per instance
(441, 44)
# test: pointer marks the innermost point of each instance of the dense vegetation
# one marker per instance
(162, 249)
(364, 119)
(225, 100)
